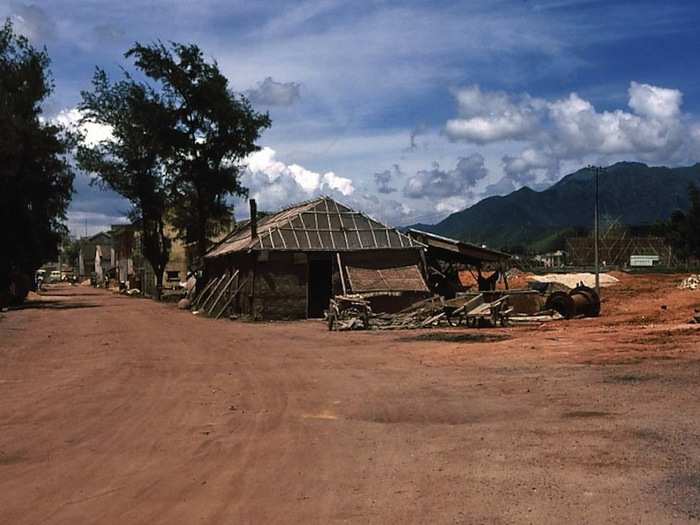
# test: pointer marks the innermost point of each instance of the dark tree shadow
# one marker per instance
(53, 305)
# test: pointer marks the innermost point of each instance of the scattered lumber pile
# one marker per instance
(353, 312)
(218, 294)
(545, 316)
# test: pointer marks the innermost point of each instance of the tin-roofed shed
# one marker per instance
(291, 263)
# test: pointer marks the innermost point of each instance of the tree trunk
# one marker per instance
(159, 281)
(202, 242)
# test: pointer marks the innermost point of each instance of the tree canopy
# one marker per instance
(177, 141)
(36, 179)
(683, 228)
(213, 130)
(132, 161)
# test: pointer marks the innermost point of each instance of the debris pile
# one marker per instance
(554, 301)
(690, 283)
(545, 316)
(353, 312)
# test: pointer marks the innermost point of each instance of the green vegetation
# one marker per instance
(682, 230)
(212, 130)
(35, 177)
(133, 161)
(176, 145)
(632, 193)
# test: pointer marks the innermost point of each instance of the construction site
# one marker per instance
(325, 367)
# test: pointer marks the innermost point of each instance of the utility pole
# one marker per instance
(596, 172)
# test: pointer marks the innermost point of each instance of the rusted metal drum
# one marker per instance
(586, 300)
(581, 301)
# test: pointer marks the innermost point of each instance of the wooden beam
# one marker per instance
(342, 277)
(213, 306)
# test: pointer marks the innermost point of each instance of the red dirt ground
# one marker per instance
(121, 410)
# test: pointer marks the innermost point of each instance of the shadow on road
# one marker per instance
(53, 305)
(53, 293)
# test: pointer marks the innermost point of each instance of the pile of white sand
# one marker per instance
(573, 279)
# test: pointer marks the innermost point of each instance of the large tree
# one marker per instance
(132, 160)
(214, 130)
(36, 180)
(682, 230)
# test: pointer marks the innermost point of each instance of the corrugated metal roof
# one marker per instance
(322, 224)
(459, 249)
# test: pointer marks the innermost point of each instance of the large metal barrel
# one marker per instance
(581, 301)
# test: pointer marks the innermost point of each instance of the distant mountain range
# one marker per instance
(632, 193)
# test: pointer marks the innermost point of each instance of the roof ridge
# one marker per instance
(411, 241)
(275, 231)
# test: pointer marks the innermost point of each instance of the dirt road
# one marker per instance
(121, 410)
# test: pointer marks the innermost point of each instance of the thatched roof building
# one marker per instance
(292, 262)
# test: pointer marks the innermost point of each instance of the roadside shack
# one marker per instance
(446, 257)
(289, 264)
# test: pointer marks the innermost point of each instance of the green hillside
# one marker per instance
(633, 193)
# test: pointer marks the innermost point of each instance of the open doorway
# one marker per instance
(320, 287)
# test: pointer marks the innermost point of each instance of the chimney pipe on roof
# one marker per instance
(253, 219)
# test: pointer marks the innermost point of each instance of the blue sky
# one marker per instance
(407, 110)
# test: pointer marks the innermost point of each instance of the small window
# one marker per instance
(172, 275)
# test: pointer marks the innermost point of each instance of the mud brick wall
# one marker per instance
(280, 288)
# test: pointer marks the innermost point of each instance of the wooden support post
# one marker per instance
(205, 293)
(342, 277)
(221, 293)
(213, 292)
(201, 295)
(233, 295)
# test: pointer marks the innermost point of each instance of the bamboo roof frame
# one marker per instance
(315, 225)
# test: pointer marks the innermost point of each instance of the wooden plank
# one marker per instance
(431, 320)
(354, 223)
(206, 293)
(284, 243)
(371, 228)
(294, 232)
(330, 228)
(291, 228)
(305, 230)
(214, 291)
(198, 299)
(342, 277)
(233, 282)
(230, 299)
(342, 228)
(211, 308)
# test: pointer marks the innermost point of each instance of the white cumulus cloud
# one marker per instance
(275, 184)
(92, 133)
(439, 183)
(491, 116)
(652, 129)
